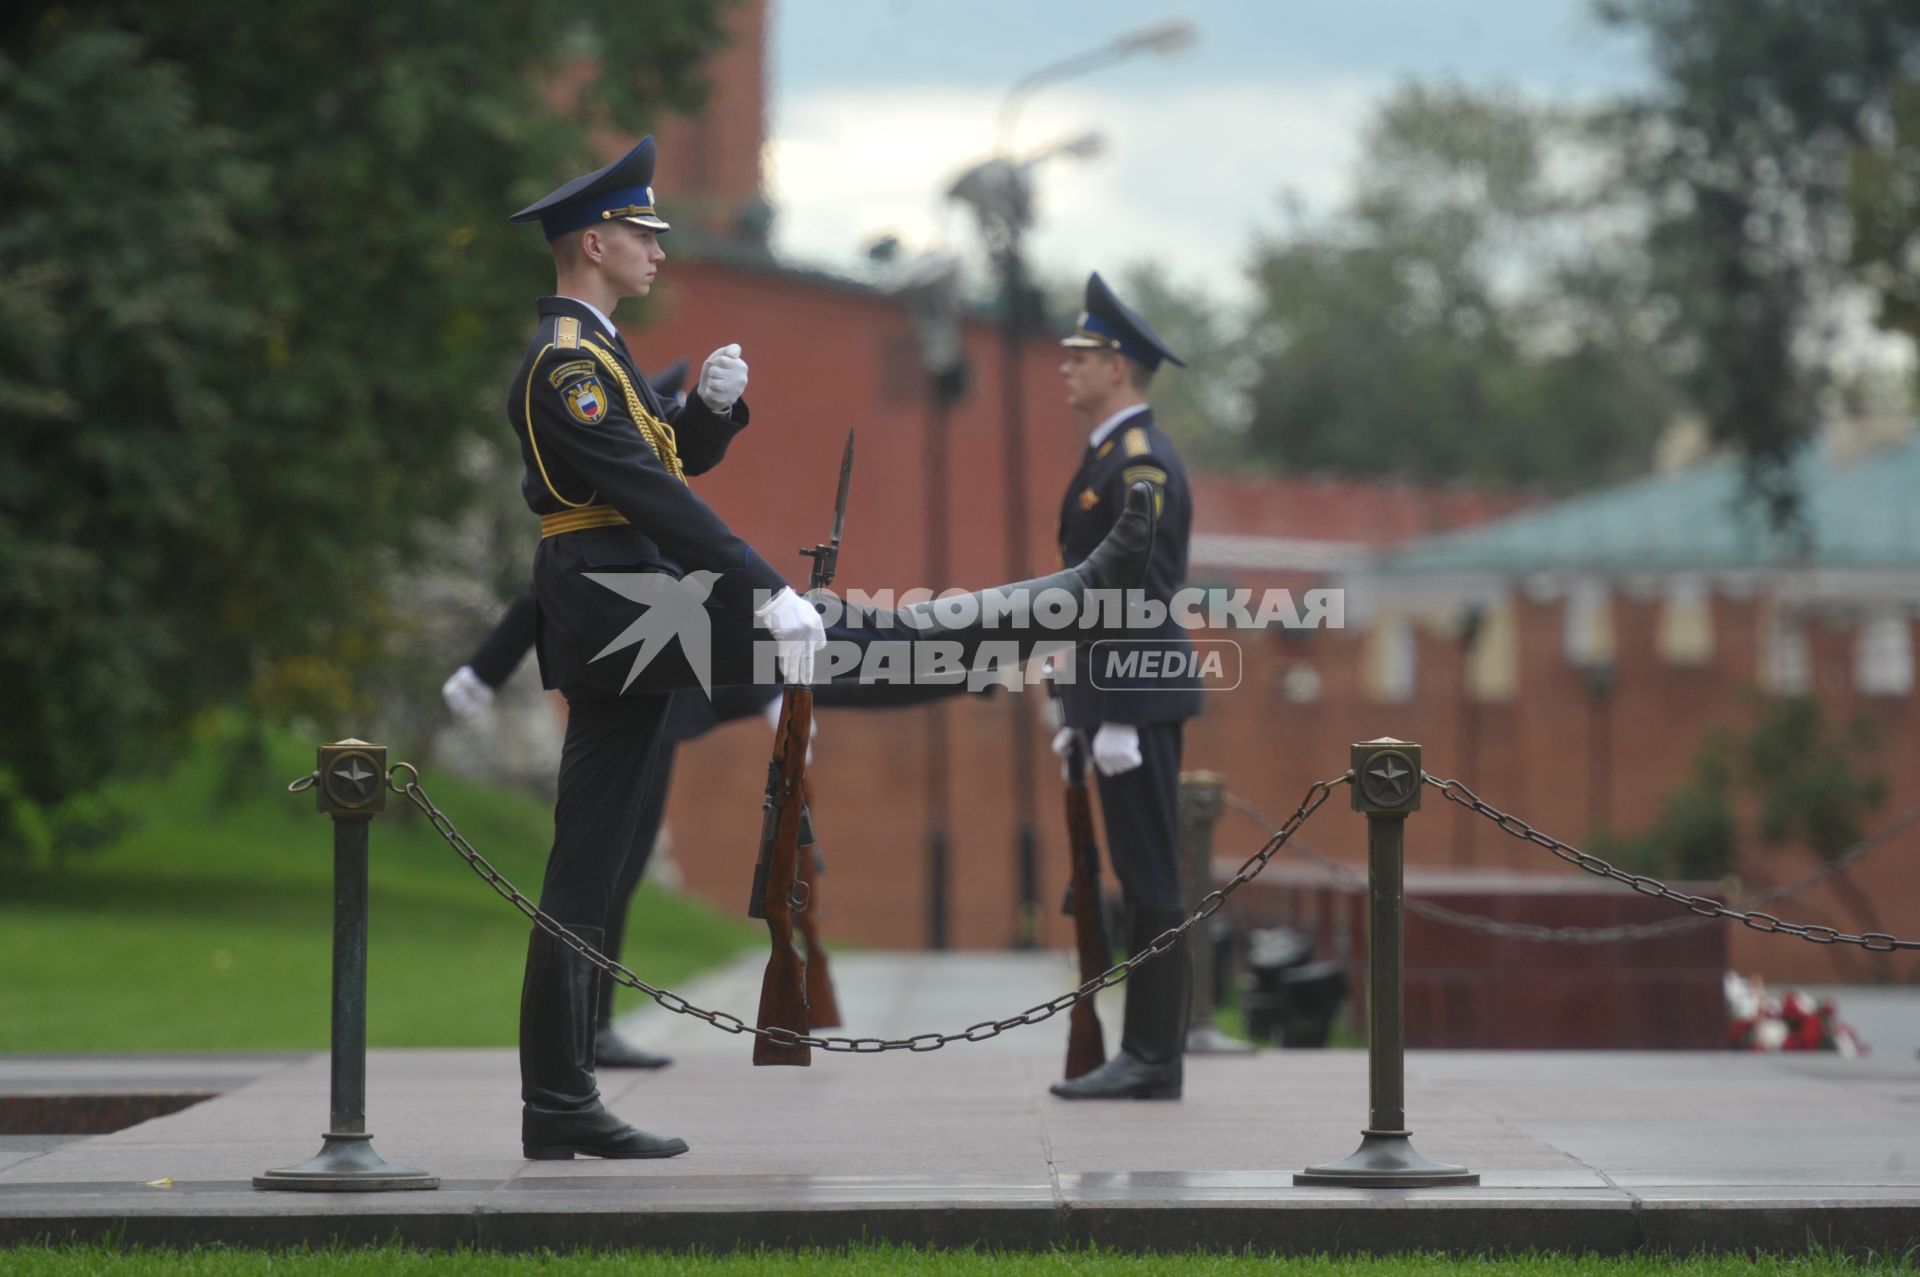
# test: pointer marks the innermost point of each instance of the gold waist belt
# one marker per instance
(591, 516)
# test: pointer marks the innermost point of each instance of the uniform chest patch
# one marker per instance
(1089, 498)
(586, 400)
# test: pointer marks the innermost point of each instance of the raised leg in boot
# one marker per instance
(612, 1049)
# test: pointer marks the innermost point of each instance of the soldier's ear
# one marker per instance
(592, 247)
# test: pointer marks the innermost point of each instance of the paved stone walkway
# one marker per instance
(1590, 1151)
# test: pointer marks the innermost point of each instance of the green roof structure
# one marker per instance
(1860, 512)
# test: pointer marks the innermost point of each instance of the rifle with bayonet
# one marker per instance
(778, 885)
(1086, 1046)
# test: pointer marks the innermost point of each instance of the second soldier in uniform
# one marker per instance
(1132, 720)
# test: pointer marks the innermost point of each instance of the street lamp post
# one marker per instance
(1001, 194)
(929, 287)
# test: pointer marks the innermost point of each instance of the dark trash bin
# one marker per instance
(1271, 952)
(1310, 996)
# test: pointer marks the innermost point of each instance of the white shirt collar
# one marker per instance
(597, 314)
(1107, 427)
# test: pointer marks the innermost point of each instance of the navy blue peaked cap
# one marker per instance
(671, 380)
(1110, 324)
(622, 190)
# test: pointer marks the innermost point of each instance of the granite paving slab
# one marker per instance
(1594, 1151)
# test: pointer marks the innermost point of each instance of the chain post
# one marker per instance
(351, 787)
(1386, 788)
(1202, 799)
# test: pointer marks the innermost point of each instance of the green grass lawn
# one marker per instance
(68, 1262)
(208, 925)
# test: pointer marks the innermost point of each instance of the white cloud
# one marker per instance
(1186, 179)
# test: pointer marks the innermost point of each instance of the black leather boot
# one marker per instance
(610, 1050)
(1153, 1041)
(562, 1114)
(1009, 613)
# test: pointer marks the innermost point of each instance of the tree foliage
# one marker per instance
(1193, 404)
(1806, 780)
(1744, 151)
(1471, 314)
(257, 296)
(1522, 295)
(1884, 196)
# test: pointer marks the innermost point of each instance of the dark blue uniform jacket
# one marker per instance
(572, 407)
(1103, 691)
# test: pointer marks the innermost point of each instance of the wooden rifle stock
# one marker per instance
(823, 1008)
(779, 883)
(1086, 1046)
(775, 896)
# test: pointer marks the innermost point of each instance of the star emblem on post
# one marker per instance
(351, 781)
(353, 777)
(1386, 776)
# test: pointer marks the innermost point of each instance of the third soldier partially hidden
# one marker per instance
(1132, 719)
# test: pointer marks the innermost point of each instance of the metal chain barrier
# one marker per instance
(1625, 932)
(1316, 794)
(1513, 826)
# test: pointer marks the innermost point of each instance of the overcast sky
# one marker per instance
(877, 104)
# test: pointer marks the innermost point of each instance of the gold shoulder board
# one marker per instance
(1136, 442)
(566, 333)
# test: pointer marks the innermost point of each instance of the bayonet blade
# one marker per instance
(846, 480)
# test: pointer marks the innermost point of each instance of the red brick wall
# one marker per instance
(825, 357)
(710, 163)
(1535, 758)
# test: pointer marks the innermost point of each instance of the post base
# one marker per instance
(1207, 1040)
(1386, 1159)
(346, 1163)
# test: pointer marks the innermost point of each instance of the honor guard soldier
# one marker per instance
(606, 467)
(621, 536)
(1132, 719)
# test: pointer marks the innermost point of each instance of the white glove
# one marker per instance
(465, 693)
(723, 378)
(1062, 745)
(1116, 748)
(798, 629)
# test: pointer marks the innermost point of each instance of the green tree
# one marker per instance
(1697, 834)
(1814, 784)
(1471, 314)
(260, 300)
(1884, 197)
(1202, 406)
(112, 335)
(1803, 779)
(1744, 149)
